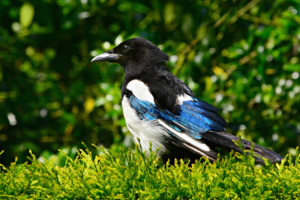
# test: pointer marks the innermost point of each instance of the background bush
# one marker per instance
(241, 56)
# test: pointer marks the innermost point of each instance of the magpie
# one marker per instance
(161, 109)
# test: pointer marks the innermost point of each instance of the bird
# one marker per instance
(162, 110)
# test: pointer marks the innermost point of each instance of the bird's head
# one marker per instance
(134, 55)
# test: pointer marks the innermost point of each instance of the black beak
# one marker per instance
(107, 56)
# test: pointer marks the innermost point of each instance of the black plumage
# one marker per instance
(160, 108)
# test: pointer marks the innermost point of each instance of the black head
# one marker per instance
(134, 55)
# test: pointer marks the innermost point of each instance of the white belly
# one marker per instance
(146, 131)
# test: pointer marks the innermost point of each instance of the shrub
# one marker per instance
(133, 175)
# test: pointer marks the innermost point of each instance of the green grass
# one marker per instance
(133, 175)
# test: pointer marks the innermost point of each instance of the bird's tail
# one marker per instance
(226, 140)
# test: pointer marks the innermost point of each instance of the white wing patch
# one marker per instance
(140, 90)
(196, 143)
(185, 97)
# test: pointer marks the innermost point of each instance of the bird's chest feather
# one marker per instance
(146, 130)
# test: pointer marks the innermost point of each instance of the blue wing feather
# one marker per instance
(195, 118)
(204, 105)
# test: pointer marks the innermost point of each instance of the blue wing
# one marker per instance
(195, 118)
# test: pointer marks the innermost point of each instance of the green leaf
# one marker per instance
(169, 13)
(26, 14)
(292, 67)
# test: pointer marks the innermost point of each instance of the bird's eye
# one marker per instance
(126, 48)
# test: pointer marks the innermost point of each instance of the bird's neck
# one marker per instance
(134, 71)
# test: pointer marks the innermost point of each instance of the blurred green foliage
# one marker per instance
(241, 56)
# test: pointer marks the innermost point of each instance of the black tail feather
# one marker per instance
(225, 140)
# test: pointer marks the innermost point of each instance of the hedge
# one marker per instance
(133, 175)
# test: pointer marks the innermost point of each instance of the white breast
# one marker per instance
(146, 131)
